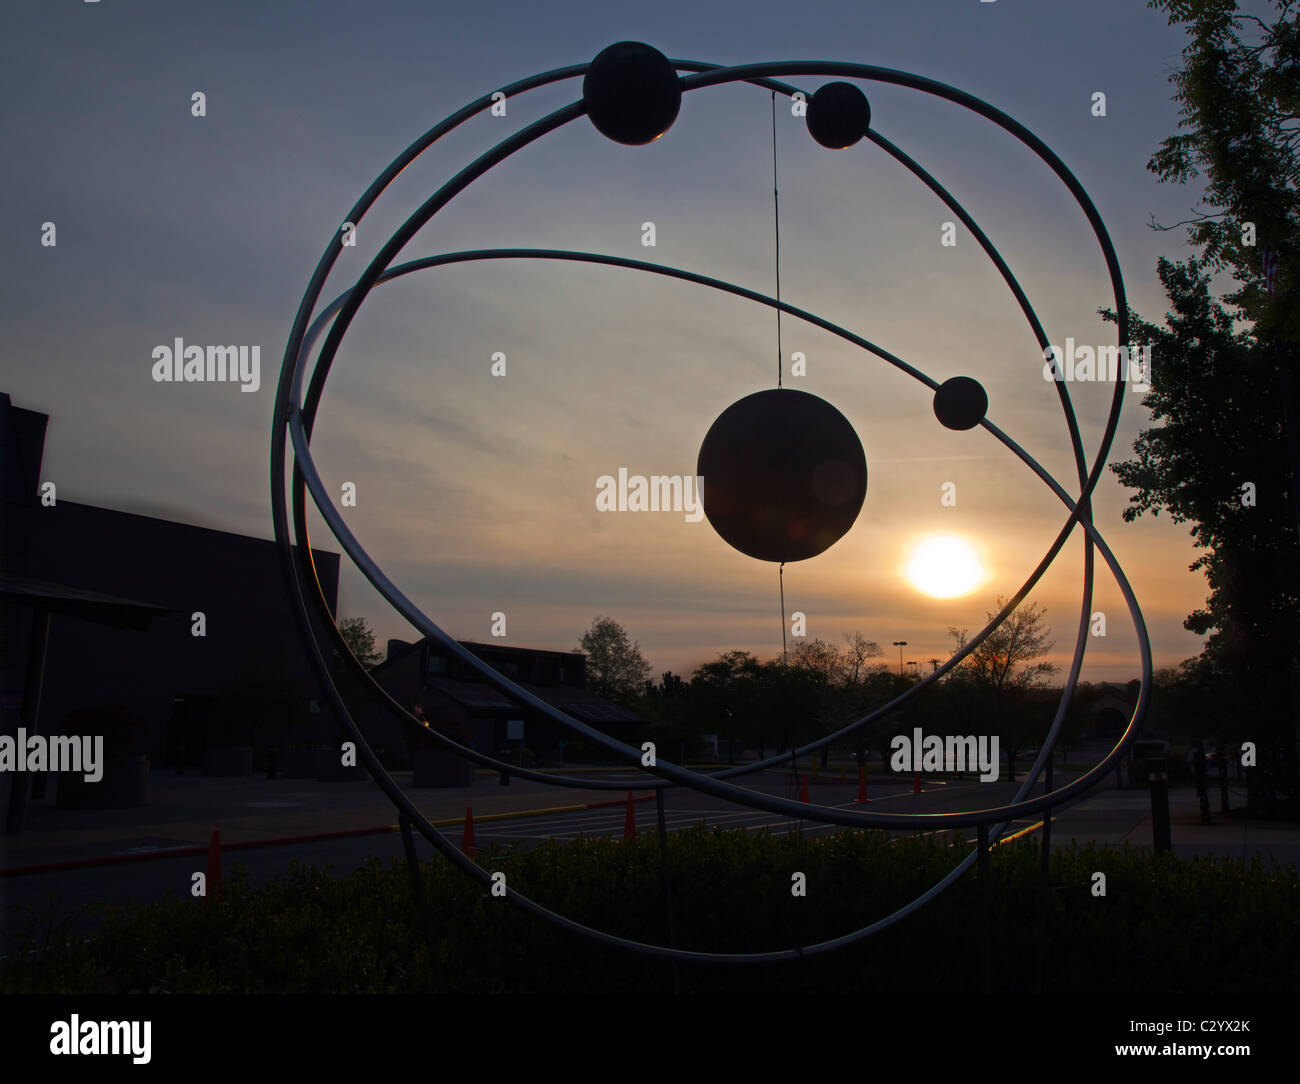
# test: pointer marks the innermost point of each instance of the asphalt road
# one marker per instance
(684, 808)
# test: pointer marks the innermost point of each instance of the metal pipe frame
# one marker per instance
(295, 418)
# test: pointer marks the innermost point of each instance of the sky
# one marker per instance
(476, 492)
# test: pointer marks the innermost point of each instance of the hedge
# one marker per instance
(1164, 926)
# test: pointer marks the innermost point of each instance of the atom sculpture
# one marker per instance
(632, 94)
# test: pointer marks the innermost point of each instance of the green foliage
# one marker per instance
(1224, 926)
(1215, 425)
(615, 666)
(998, 687)
(360, 638)
(766, 705)
(1004, 662)
(1239, 101)
(1222, 392)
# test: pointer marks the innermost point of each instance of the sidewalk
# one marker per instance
(1113, 817)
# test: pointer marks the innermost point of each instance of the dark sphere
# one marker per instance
(784, 475)
(632, 93)
(960, 403)
(838, 115)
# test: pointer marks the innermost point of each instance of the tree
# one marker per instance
(1190, 703)
(794, 696)
(1001, 673)
(615, 666)
(1240, 108)
(677, 727)
(727, 697)
(781, 702)
(1225, 457)
(360, 638)
(1213, 435)
(830, 686)
(1004, 662)
(856, 653)
(817, 659)
(671, 687)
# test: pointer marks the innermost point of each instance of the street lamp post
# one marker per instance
(900, 644)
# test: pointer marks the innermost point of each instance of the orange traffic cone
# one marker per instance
(916, 783)
(629, 820)
(213, 876)
(803, 790)
(467, 839)
(862, 784)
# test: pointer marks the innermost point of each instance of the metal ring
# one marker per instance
(288, 415)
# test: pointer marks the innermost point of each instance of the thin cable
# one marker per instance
(785, 663)
(776, 223)
(780, 579)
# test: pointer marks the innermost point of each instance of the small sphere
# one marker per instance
(960, 403)
(838, 115)
(784, 475)
(632, 93)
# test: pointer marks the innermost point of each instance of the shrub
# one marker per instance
(1165, 925)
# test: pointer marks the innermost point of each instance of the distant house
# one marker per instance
(247, 675)
(1110, 712)
(458, 701)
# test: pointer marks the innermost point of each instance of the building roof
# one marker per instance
(76, 602)
(585, 706)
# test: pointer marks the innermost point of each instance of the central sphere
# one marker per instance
(784, 475)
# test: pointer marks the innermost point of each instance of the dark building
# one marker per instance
(118, 598)
(245, 681)
(458, 702)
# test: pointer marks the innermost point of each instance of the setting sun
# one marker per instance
(944, 566)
